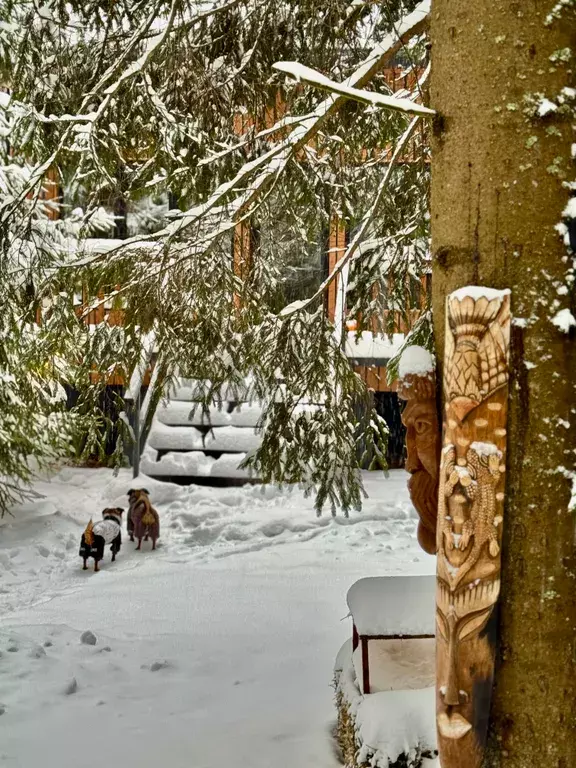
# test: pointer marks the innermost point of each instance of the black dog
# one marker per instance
(97, 535)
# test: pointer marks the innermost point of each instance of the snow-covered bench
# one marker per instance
(390, 608)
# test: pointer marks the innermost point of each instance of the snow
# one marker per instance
(100, 245)
(293, 307)
(372, 346)
(545, 107)
(396, 721)
(485, 449)
(564, 320)
(217, 649)
(191, 390)
(389, 723)
(148, 343)
(164, 437)
(192, 464)
(570, 211)
(313, 77)
(339, 310)
(177, 413)
(393, 606)
(415, 360)
(479, 292)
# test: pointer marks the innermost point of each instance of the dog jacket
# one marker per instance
(107, 529)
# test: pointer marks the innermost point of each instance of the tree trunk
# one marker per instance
(497, 195)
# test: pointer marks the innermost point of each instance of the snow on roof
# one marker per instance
(415, 360)
(394, 605)
(373, 346)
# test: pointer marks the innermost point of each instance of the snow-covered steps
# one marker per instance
(218, 439)
(177, 413)
(195, 467)
(187, 445)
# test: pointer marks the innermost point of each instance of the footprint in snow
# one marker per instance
(157, 665)
(42, 550)
(272, 529)
(71, 687)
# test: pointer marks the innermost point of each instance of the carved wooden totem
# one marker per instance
(417, 386)
(470, 517)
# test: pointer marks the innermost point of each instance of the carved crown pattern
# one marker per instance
(476, 361)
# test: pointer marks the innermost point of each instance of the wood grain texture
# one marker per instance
(470, 519)
(420, 417)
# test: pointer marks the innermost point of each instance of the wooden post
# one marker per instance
(136, 448)
(470, 517)
(354, 637)
(336, 250)
(365, 665)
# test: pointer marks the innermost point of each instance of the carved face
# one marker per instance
(470, 516)
(466, 683)
(467, 588)
(423, 447)
(422, 437)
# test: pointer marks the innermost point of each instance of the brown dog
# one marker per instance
(143, 520)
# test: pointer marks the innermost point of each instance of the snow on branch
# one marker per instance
(274, 161)
(87, 114)
(366, 220)
(312, 77)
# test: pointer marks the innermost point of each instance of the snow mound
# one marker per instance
(393, 723)
(415, 361)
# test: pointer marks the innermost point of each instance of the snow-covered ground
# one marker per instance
(215, 651)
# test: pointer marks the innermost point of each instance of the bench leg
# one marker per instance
(365, 665)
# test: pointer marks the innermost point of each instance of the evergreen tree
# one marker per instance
(129, 99)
